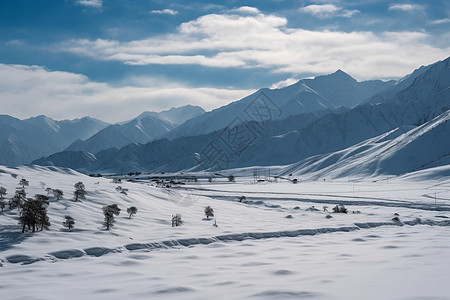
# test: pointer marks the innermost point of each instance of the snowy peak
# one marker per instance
(179, 115)
(341, 76)
(175, 115)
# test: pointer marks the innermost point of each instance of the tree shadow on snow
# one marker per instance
(10, 235)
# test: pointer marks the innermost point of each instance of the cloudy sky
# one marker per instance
(113, 59)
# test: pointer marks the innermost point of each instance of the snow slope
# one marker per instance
(399, 86)
(275, 244)
(402, 150)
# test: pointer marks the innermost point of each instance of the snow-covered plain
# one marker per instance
(273, 245)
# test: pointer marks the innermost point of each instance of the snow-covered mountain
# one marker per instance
(139, 130)
(307, 95)
(179, 115)
(144, 128)
(400, 85)
(402, 150)
(22, 141)
(278, 142)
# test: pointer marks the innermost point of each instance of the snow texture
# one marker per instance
(254, 252)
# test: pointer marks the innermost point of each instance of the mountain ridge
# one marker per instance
(307, 95)
(144, 128)
(277, 142)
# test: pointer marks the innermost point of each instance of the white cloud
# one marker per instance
(246, 10)
(405, 7)
(283, 83)
(320, 10)
(27, 91)
(91, 3)
(441, 21)
(166, 11)
(328, 10)
(265, 41)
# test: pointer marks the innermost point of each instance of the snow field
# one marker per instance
(255, 252)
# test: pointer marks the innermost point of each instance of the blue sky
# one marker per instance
(112, 59)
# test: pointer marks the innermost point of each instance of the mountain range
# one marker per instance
(307, 95)
(22, 141)
(144, 128)
(313, 117)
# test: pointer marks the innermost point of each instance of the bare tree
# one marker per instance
(49, 190)
(69, 222)
(131, 211)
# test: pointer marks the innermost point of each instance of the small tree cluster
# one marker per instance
(109, 212)
(209, 212)
(69, 222)
(117, 180)
(131, 211)
(340, 209)
(34, 213)
(80, 192)
(176, 220)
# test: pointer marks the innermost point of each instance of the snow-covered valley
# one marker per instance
(276, 243)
